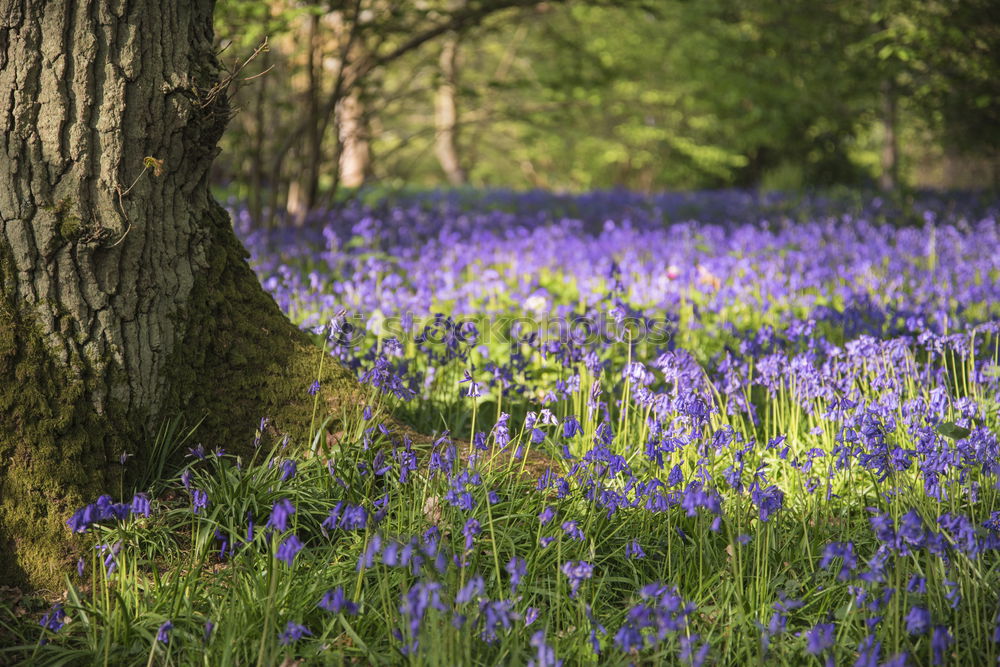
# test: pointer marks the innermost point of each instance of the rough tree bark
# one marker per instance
(125, 297)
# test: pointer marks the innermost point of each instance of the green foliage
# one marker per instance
(668, 95)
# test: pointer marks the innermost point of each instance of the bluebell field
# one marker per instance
(707, 429)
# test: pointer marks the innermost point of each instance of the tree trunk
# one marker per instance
(446, 113)
(889, 178)
(125, 297)
(355, 152)
(307, 178)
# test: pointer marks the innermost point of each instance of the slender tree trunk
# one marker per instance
(889, 178)
(125, 297)
(446, 113)
(355, 150)
(258, 182)
(306, 185)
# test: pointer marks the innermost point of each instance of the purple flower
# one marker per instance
(494, 615)
(634, 550)
(546, 515)
(473, 588)
(819, 638)
(101, 510)
(675, 477)
(289, 549)
(209, 627)
(844, 551)
(940, 641)
(199, 500)
(918, 620)
(516, 568)
(571, 426)
(373, 548)
(577, 573)
(346, 517)
(530, 616)
(280, 513)
(55, 619)
(140, 504)
(475, 388)
(293, 632)
(163, 634)
(545, 655)
(470, 530)
(288, 469)
(335, 602)
(314, 388)
(688, 653)
(573, 530)
(416, 602)
(768, 500)
(869, 651)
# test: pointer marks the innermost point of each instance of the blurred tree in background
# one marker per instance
(588, 94)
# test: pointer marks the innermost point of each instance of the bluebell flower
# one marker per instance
(163, 634)
(571, 426)
(280, 513)
(288, 469)
(516, 568)
(199, 500)
(573, 530)
(545, 656)
(689, 654)
(372, 549)
(140, 504)
(940, 641)
(869, 652)
(634, 550)
(473, 588)
(335, 602)
(470, 530)
(577, 572)
(289, 549)
(292, 633)
(416, 602)
(546, 515)
(54, 619)
(819, 638)
(918, 620)
(675, 477)
(844, 551)
(494, 614)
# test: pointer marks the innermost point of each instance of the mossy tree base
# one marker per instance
(239, 360)
(125, 297)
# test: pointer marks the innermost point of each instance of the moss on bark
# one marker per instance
(239, 360)
(54, 449)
